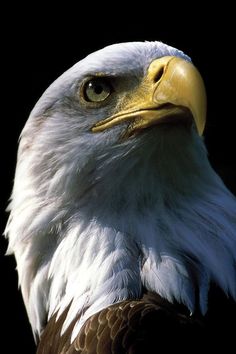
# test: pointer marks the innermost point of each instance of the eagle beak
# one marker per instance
(172, 90)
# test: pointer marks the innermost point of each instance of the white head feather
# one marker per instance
(94, 219)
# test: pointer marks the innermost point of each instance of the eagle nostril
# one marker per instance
(159, 74)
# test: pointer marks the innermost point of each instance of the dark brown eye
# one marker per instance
(97, 90)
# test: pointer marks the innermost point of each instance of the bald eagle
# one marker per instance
(119, 225)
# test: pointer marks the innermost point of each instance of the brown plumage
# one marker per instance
(132, 327)
(147, 325)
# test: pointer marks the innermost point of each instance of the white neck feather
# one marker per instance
(155, 215)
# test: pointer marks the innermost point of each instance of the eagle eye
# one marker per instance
(96, 90)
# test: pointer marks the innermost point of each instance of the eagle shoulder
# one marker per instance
(131, 326)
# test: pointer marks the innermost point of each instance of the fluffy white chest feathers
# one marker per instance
(96, 218)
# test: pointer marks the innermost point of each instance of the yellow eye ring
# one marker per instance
(97, 90)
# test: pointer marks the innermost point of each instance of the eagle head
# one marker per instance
(114, 193)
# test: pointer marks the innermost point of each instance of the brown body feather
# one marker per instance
(132, 327)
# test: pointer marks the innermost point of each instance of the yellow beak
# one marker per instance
(172, 90)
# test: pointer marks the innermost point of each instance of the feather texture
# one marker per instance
(132, 326)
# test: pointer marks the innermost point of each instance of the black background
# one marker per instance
(40, 44)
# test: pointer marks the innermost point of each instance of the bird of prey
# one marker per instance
(119, 225)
